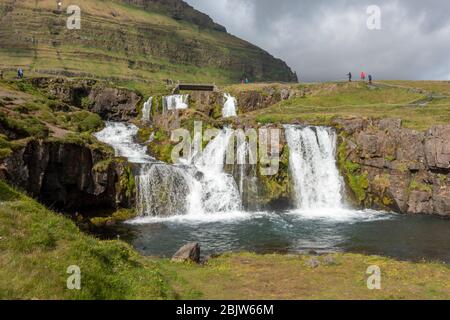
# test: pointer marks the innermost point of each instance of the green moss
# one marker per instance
(161, 146)
(277, 186)
(102, 166)
(359, 184)
(24, 127)
(418, 186)
(128, 182)
(390, 158)
(118, 216)
(442, 178)
(357, 181)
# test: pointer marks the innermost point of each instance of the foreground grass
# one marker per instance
(250, 276)
(419, 104)
(37, 246)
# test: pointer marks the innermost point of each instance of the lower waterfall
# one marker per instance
(167, 190)
(220, 192)
(317, 182)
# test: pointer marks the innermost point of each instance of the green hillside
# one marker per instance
(143, 40)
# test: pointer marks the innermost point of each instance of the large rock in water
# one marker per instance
(189, 252)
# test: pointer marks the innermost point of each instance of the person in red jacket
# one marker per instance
(363, 76)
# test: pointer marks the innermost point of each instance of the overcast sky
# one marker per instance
(325, 39)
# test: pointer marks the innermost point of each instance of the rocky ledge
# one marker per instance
(388, 166)
(112, 104)
(70, 176)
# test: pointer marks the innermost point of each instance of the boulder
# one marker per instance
(188, 253)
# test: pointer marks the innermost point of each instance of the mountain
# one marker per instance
(130, 39)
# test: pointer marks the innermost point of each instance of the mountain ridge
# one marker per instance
(131, 39)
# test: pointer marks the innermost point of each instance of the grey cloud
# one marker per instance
(323, 39)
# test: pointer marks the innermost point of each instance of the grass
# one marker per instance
(247, 276)
(325, 101)
(120, 41)
(37, 246)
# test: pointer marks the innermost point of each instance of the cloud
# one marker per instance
(323, 40)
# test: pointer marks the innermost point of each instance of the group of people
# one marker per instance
(362, 76)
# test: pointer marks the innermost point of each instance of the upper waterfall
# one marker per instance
(121, 137)
(229, 107)
(317, 182)
(147, 109)
(175, 102)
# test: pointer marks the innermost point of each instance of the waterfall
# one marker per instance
(317, 182)
(219, 190)
(162, 189)
(229, 107)
(121, 137)
(147, 109)
(165, 190)
(175, 102)
(242, 152)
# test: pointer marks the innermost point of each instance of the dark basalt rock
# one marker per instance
(64, 176)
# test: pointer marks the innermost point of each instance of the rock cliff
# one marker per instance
(388, 166)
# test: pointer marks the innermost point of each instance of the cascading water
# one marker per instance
(317, 182)
(229, 107)
(219, 190)
(175, 102)
(164, 190)
(147, 109)
(121, 137)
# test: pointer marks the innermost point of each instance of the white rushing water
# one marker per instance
(220, 192)
(147, 109)
(121, 137)
(176, 102)
(164, 190)
(317, 182)
(229, 106)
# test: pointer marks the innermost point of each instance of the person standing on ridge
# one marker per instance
(349, 75)
(370, 79)
(20, 73)
(363, 76)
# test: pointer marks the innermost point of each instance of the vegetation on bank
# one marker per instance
(320, 103)
(42, 245)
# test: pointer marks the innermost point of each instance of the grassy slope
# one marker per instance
(386, 99)
(121, 41)
(37, 246)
